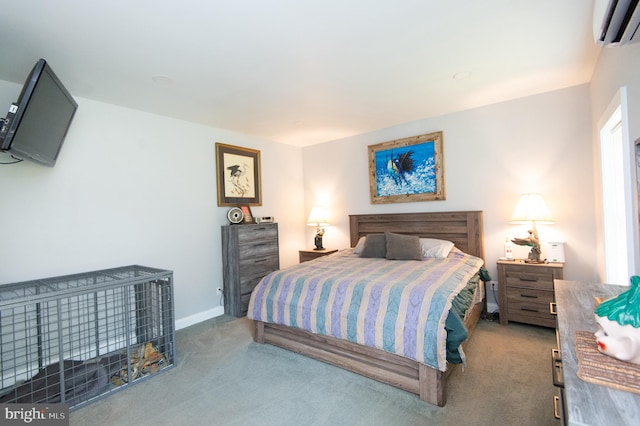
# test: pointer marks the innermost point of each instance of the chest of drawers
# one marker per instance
(526, 290)
(249, 252)
(581, 402)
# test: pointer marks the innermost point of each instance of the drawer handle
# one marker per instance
(556, 368)
(553, 308)
(528, 309)
(556, 404)
(526, 278)
(529, 296)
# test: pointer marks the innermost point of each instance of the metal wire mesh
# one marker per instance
(76, 338)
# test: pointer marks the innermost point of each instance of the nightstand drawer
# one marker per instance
(529, 300)
(540, 278)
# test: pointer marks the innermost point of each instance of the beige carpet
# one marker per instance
(224, 378)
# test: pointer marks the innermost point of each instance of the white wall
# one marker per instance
(132, 187)
(135, 188)
(617, 68)
(492, 154)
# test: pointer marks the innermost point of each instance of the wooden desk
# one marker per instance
(586, 403)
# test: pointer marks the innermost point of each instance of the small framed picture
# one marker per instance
(238, 175)
(248, 216)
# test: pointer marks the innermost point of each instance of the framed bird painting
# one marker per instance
(409, 169)
(238, 175)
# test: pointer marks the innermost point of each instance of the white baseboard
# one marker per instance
(199, 317)
(492, 307)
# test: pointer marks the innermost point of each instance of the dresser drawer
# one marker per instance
(244, 303)
(258, 266)
(254, 234)
(258, 250)
(540, 278)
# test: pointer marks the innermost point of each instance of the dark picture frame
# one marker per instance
(407, 170)
(238, 175)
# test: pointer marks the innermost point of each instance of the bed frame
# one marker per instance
(465, 229)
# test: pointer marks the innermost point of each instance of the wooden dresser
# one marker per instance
(526, 290)
(249, 252)
(581, 402)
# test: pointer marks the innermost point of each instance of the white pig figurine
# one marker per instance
(618, 321)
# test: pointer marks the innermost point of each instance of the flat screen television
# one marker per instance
(37, 123)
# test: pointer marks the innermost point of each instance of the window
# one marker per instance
(614, 204)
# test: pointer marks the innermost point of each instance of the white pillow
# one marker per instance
(358, 248)
(435, 248)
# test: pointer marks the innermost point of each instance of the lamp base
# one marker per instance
(318, 242)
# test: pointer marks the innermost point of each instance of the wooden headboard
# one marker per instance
(464, 228)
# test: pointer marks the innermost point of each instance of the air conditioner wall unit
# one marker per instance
(616, 22)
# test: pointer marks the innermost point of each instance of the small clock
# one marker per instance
(235, 215)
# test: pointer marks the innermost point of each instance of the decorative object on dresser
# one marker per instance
(307, 255)
(531, 209)
(264, 219)
(318, 218)
(525, 291)
(246, 214)
(235, 215)
(589, 395)
(238, 175)
(407, 170)
(249, 252)
(385, 364)
(618, 321)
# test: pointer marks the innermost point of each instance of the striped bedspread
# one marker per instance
(396, 306)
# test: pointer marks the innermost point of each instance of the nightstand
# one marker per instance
(526, 290)
(307, 255)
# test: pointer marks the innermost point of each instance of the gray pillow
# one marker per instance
(403, 247)
(375, 245)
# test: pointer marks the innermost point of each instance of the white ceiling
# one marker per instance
(301, 72)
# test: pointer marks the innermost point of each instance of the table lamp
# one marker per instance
(318, 218)
(531, 208)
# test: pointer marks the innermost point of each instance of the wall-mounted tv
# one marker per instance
(37, 123)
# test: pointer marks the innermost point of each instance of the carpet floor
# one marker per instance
(223, 378)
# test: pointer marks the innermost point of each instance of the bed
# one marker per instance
(413, 370)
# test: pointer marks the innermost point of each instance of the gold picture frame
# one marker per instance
(238, 175)
(407, 170)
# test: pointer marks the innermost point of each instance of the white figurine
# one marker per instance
(618, 321)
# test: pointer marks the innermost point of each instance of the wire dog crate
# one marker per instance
(76, 338)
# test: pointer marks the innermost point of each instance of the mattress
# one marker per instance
(398, 306)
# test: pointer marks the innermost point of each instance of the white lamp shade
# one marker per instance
(531, 208)
(318, 217)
